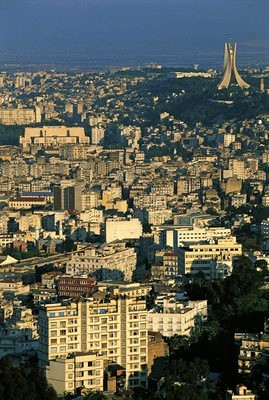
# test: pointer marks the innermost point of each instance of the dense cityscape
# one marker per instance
(134, 233)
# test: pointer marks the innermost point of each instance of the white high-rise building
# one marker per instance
(97, 135)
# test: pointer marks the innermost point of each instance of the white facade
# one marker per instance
(175, 319)
(123, 229)
(51, 136)
(173, 236)
(213, 258)
(107, 262)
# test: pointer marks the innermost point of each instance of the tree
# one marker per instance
(18, 383)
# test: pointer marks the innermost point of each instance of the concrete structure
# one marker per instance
(120, 229)
(173, 318)
(26, 203)
(114, 328)
(158, 353)
(112, 261)
(213, 258)
(20, 116)
(76, 371)
(75, 286)
(67, 196)
(251, 347)
(173, 236)
(230, 68)
(241, 393)
(53, 136)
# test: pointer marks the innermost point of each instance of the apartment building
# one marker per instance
(213, 258)
(251, 348)
(20, 116)
(26, 203)
(176, 319)
(76, 371)
(75, 286)
(113, 327)
(112, 261)
(173, 236)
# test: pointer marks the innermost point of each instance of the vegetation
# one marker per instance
(10, 134)
(18, 383)
(20, 255)
(238, 304)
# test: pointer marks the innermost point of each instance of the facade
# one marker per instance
(116, 329)
(213, 258)
(158, 352)
(20, 116)
(53, 136)
(231, 69)
(177, 319)
(123, 229)
(251, 347)
(106, 262)
(75, 286)
(26, 203)
(76, 371)
(67, 197)
(173, 236)
(170, 263)
(241, 393)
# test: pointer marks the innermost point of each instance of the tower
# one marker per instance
(231, 69)
(262, 85)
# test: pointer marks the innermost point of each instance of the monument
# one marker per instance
(230, 68)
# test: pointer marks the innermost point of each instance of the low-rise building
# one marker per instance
(241, 393)
(213, 258)
(112, 261)
(76, 371)
(175, 318)
(76, 286)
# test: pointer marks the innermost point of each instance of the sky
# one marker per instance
(125, 31)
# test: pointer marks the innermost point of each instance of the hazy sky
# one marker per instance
(189, 30)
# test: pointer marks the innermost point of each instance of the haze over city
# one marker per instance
(131, 32)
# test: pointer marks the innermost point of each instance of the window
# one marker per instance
(53, 324)
(62, 349)
(53, 349)
(70, 366)
(53, 341)
(70, 376)
(52, 314)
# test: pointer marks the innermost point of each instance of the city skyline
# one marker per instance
(119, 32)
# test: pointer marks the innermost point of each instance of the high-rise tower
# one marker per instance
(230, 68)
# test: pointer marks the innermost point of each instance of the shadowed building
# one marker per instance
(230, 69)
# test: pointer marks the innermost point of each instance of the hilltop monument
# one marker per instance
(230, 68)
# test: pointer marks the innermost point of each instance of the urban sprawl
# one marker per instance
(119, 219)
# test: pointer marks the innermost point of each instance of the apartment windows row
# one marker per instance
(63, 324)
